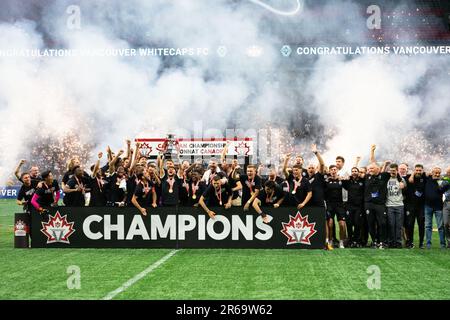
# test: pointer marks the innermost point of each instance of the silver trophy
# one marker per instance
(170, 147)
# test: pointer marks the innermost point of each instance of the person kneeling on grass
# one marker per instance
(216, 195)
(271, 196)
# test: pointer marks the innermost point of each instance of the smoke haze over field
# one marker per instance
(401, 103)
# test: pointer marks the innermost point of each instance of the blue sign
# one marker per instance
(9, 192)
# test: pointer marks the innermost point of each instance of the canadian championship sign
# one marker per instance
(182, 227)
(199, 147)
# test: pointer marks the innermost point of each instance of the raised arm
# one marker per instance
(190, 168)
(372, 153)
(112, 163)
(319, 158)
(160, 163)
(17, 171)
(385, 165)
(260, 169)
(161, 167)
(411, 178)
(97, 165)
(109, 153)
(135, 157)
(128, 148)
(223, 155)
(235, 175)
(285, 165)
(357, 161)
(155, 172)
(180, 172)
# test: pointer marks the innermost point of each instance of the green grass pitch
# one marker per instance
(220, 274)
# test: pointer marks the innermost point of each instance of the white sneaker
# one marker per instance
(341, 244)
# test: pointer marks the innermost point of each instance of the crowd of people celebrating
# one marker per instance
(382, 200)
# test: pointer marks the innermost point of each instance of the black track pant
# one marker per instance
(354, 220)
(364, 228)
(377, 220)
(413, 213)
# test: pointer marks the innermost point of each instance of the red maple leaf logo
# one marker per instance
(242, 149)
(146, 149)
(57, 229)
(298, 229)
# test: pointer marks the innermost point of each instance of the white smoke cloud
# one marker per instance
(378, 100)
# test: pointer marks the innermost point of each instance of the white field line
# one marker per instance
(139, 276)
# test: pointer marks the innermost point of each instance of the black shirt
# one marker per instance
(317, 182)
(233, 184)
(249, 186)
(131, 187)
(415, 192)
(67, 176)
(45, 194)
(270, 199)
(98, 192)
(333, 190)
(213, 198)
(170, 198)
(26, 193)
(196, 189)
(74, 199)
(116, 193)
(376, 188)
(184, 192)
(434, 193)
(355, 188)
(158, 189)
(301, 189)
(144, 194)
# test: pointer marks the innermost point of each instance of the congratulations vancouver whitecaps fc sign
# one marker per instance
(182, 227)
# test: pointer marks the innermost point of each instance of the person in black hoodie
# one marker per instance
(355, 207)
(415, 203)
(434, 190)
(375, 198)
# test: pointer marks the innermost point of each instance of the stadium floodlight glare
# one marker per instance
(277, 11)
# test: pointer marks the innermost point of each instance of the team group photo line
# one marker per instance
(380, 200)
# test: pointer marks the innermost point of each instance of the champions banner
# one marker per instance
(182, 227)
